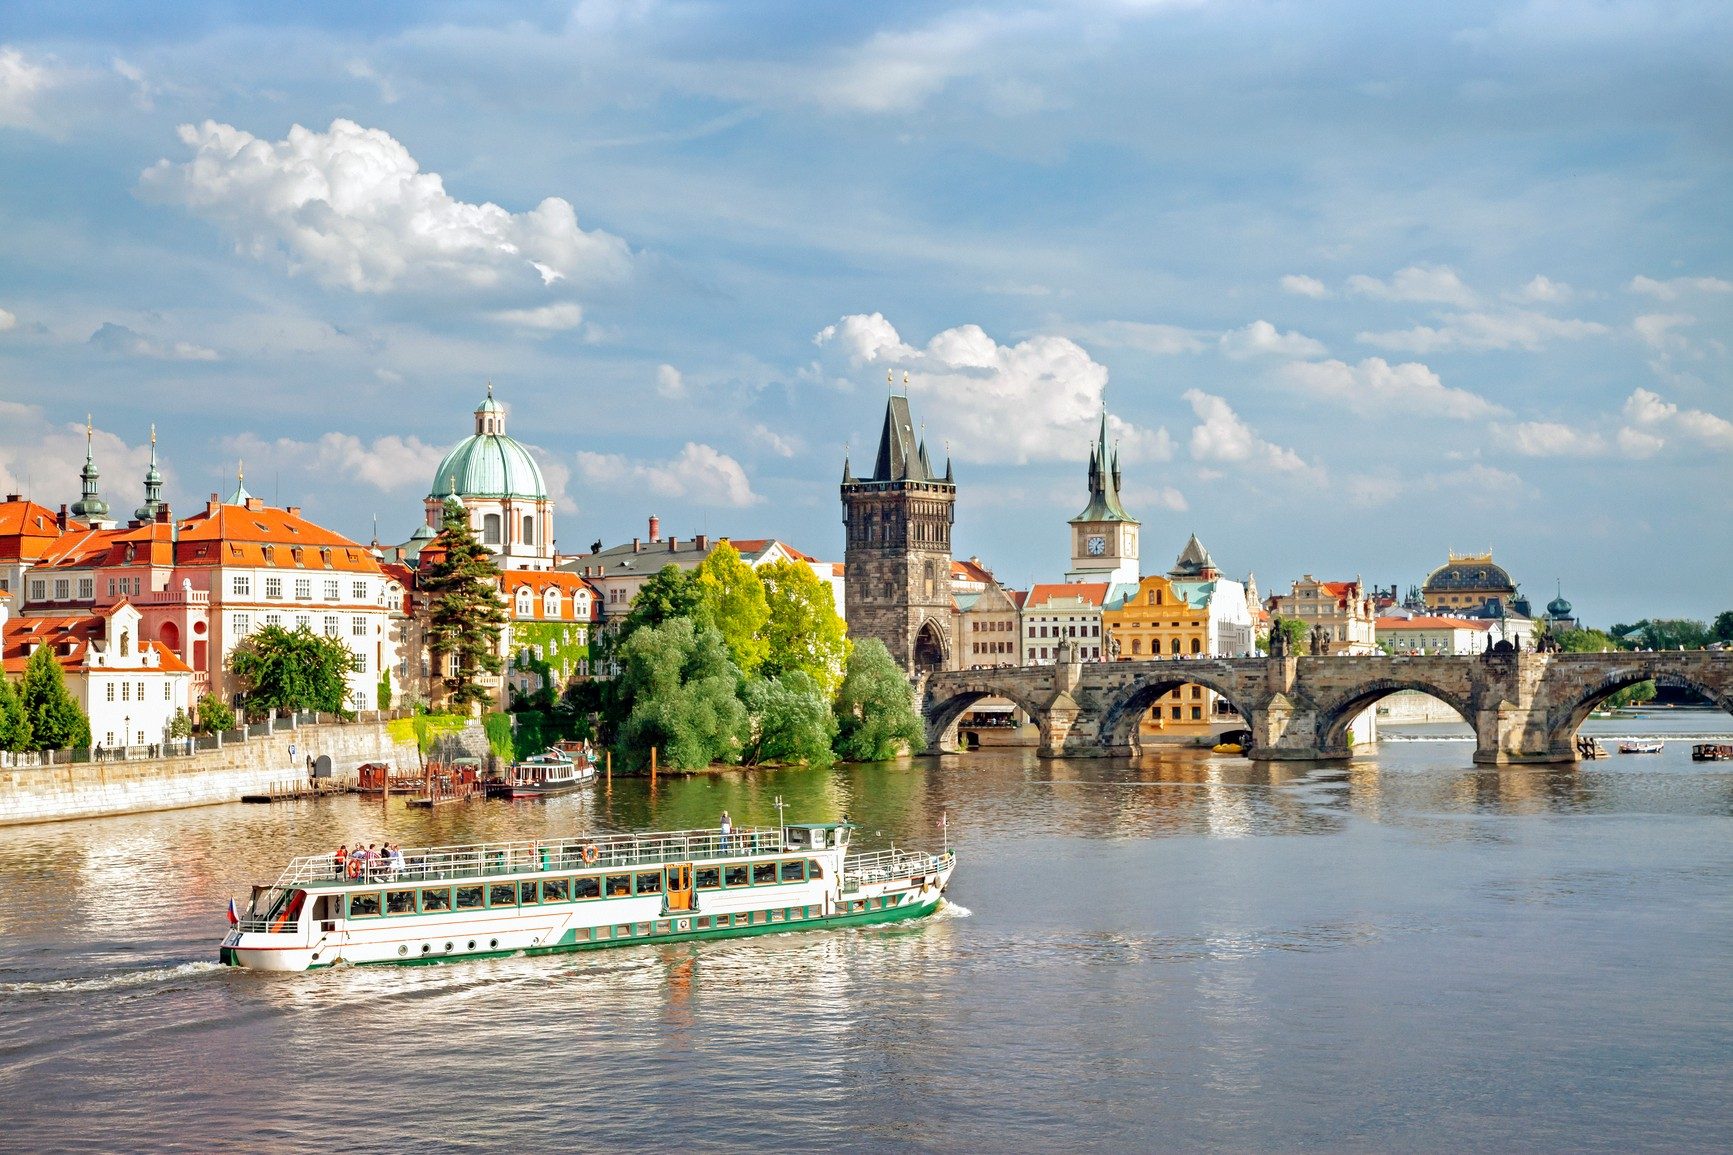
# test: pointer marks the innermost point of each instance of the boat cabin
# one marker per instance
(816, 835)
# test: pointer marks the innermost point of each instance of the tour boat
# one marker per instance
(493, 899)
(1641, 747)
(543, 775)
(1712, 752)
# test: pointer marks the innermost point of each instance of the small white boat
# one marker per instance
(455, 902)
(1641, 747)
(543, 775)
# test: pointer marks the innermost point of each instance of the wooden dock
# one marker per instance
(299, 789)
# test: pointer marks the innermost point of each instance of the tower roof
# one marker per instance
(901, 457)
(1103, 483)
(89, 503)
(489, 463)
(1193, 561)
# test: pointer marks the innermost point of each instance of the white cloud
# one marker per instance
(669, 382)
(1223, 436)
(1636, 443)
(544, 318)
(1656, 330)
(1671, 290)
(699, 474)
(900, 71)
(1040, 399)
(1438, 284)
(1410, 385)
(1481, 331)
(23, 84)
(1260, 339)
(390, 464)
(1551, 439)
(41, 460)
(1544, 290)
(7, 320)
(1656, 418)
(762, 434)
(1162, 340)
(1148, 497)
(351, 207)
(1305, 286)
(120, 341)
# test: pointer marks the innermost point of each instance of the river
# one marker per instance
(1408, 953)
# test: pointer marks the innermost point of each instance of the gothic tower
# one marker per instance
(1103, 536)
(897, 557)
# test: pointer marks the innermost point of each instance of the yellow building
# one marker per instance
(1156, 620)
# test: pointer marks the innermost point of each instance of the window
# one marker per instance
(590, 887)
(707, 878)
(358, 591)
(650, 882)
(1175, 646)
(619, 885)
(274, 620)
(490, 529)
(243, 624)
(814, 869)
(111, 691)
(140, 692)
(1196, 713)
(523, 603)
(1197, 645)
(735, 875)
(470, 897)
(242, 585)
(763, 873)
(364, 905)
(303, 588)
(167, 692)
(1175, 713)
(38, 590)
(583, 635)
(794, 872)
(1197, 691)
(273, 587)
(502, 894)
(557, 890)
(110, 587)
(400, 902)
(126, 691)
(62, 589)
(358, 627)
(526, 894)
(86, 588)
(435, 899)
(303, 621)
(551, 604)
(333, 591)
(529, 537)
(333, 624)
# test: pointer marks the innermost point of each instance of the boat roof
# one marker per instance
(845, 824)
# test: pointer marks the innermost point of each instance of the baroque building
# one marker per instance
(500, 484)
(897, 552)
(1104, 536)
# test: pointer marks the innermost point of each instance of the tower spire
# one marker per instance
(89, 505)
(152, 485)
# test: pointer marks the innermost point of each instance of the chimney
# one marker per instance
(60, 518)
(293, 510)
(673, 544)
(255, 504)
(655, 528)
(162, 513)
(702, 541)
(214, 504)
(637, 546)
(14, 497)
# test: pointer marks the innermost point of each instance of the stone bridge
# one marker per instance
(1523, 707)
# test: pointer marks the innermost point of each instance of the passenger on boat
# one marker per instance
(339, 861)
(727, 829)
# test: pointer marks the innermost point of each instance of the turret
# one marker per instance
(90, 506)
(152, 486)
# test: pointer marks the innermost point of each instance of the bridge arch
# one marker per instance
(940, 714)
(1576, 712)
(1124, 711)
(1337, 714)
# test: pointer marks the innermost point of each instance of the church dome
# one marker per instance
(1468, 573)
(1558, 608)
(488, 463)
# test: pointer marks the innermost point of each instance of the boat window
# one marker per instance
(469, 897)
(735, 875)
(643, 928)
(557, 890)
(435, 898)
(588, 887)
(526, 893)
(619, 885)
(502, 894)
(364, 905)
(400, 902)
(707, 877)
(813, 869)
(793, 872)
(650, 883)
(763, 873)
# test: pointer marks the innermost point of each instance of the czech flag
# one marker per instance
(234, 916)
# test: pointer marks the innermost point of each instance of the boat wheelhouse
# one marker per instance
(493, 899)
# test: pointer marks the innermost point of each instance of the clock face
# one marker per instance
(1097, 545)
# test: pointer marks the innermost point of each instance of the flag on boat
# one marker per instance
(234, 916)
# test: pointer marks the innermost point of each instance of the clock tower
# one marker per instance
(1103, 536)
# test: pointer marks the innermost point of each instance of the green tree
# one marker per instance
(1297, 632)
(875, 709)
(14, 722)
(1585, 642)
(804, 632)
(181, 725)
(670, 593)
(499, 735)
(681, 694)
(1723, 627)
(464, 616)
(56, 722)
(792, 721)
(1630, 696)
(735, 602)
(214, 714)
(298, 670)
(382, 694)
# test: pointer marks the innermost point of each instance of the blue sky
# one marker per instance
(1360, 283)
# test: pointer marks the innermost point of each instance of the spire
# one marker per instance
(90, 505)
(152, 486)
(900, 456)
(1104, 482)
(1194, 563)
(240, 496)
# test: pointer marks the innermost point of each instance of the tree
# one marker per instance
(382, 693)
(735, 603)
(804, 632)
(1723, 627)
(14, 722)
(791, 721)
(680, 691)
(56, 722)
(464, 616)
(290, 671)
(875, 709)
(180, 726)
(1665, 634)
(214, 714)
(670, 593)
(1630, 696)
(1585, 642)
(1297, 631)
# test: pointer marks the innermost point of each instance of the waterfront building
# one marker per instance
(1465, 582)
(501, 487)
(1343, 609)
(553, 618)
(1064, 614)
(130, 688)
(1104, 536)
(897, 552)
(618, 572)
(1432, 634)
(986, 627)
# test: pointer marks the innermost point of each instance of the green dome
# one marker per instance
(489, 464)
(1559, 608)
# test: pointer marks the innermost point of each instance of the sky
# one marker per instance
(1358, 284)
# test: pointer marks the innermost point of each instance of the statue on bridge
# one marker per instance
(1278, 639)
(1320, 640)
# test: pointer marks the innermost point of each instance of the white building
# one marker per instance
(1064, 614)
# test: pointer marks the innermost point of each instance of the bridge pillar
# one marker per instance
(1512, 726)
(1283, 731)
(1057, 724)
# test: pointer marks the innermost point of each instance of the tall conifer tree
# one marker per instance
(464, 613)
(14, 725)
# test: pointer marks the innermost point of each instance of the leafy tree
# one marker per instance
(736, 605)
(1723, 627)
(1585, 642)
(1298, 634)
(499, 735)
(299, 670)
(382, 695)
(1630, 696)
(14, 722)
(791, 721)
(670, 593)
(804, 632)
(181, 725)
(465, 616)
(56, 722)
(680, 690)
(1663, 634)
(214, 714)
(875, 709)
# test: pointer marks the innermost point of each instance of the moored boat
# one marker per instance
(494, 899)
(1641, 747)
(1712, 752)
(543, 775)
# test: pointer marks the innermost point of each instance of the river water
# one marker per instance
(1408, 953)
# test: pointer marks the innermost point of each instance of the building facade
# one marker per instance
(1065, 615)
(1343, 610)
(1467, 581)
(1104, 541)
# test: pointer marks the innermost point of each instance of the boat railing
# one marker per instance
(598, 852)
(884, 865)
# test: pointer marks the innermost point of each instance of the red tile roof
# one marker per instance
(237, 535)
(1092, 593)
(1426, 622)
(28, 529)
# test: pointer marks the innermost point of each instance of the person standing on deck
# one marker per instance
(727, 829)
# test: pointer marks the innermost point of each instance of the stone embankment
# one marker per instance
(53, 793)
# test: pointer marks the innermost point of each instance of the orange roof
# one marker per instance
(241, 535)
(70, 639)
(1426, 622)
(27, 529)
(1092, 593)
(970, 571)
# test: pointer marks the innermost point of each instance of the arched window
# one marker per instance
(490, 528)
(1137, 645)
(523, 602)
(1197, 645)
(551, 604)
(529, 529)
(1175, 646)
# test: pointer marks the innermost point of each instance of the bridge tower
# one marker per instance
(897, 556)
